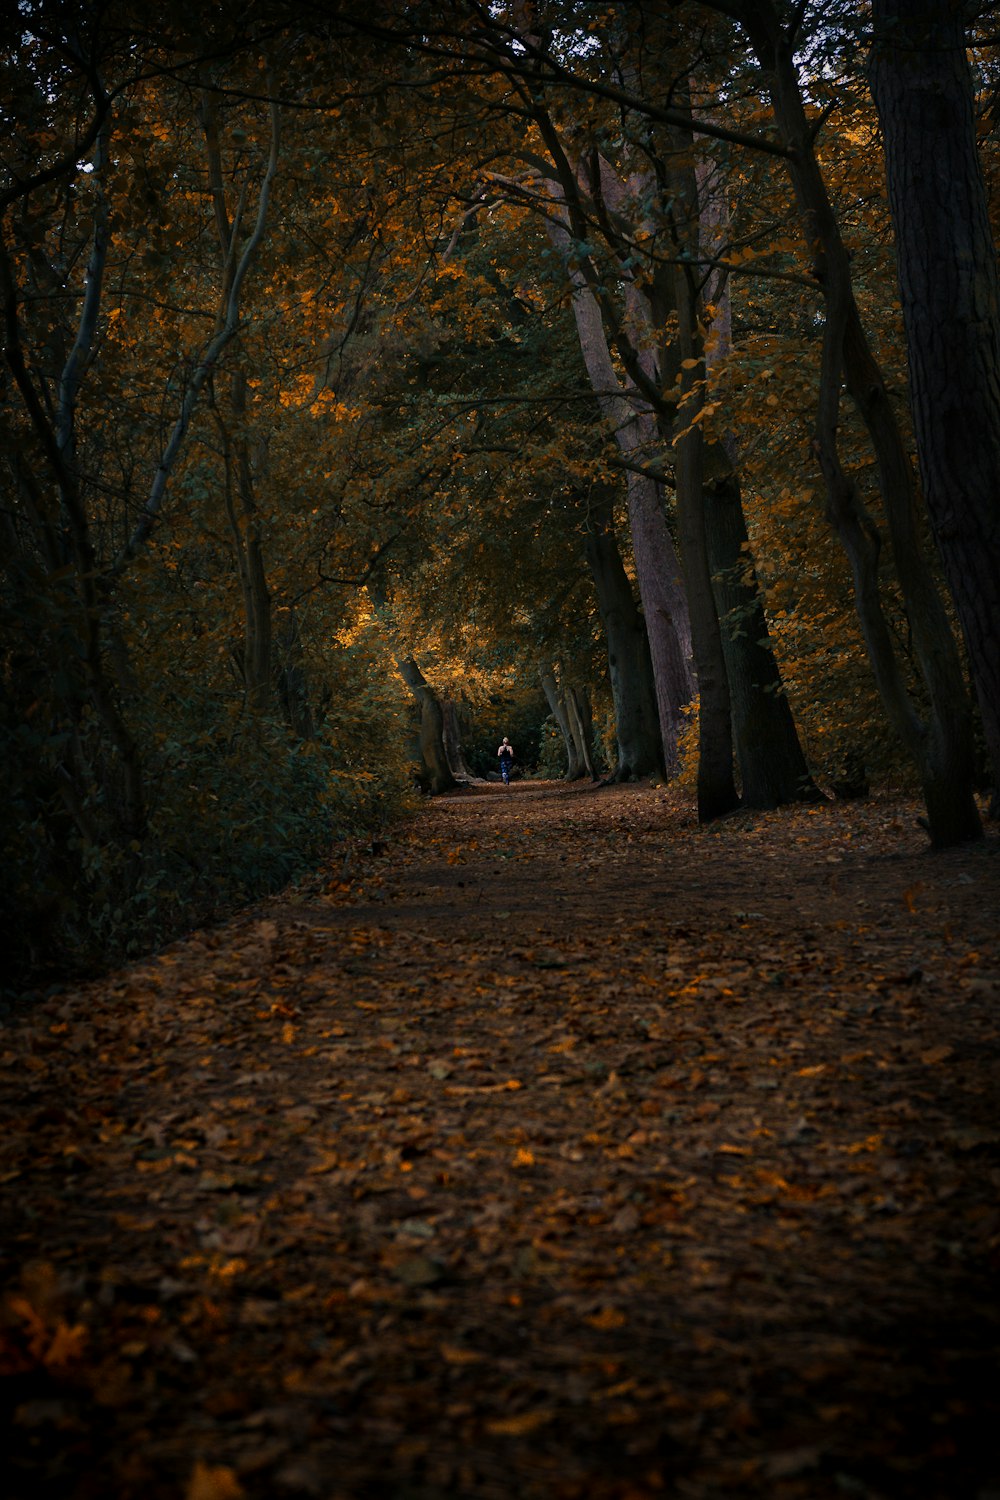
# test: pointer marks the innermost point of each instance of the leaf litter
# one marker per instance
(565, 1151)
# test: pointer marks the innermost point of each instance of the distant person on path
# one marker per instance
(505, 752)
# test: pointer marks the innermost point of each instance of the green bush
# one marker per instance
(232, 817)
(551, 751)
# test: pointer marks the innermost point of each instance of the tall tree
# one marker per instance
(940, 741)
(922, 84)
(647, 218)
(773, 768)
(633, 424)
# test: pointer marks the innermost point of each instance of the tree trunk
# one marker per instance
(941, 747)
(581, 727)
(637, 724)
(717, 793)
(84, 594)
(922, 85)
(658, 573)
(431, 732)
(665, 606)
(432, 727)
(556, 699)
(452, 741)
(773, 769)
(571, 719)
(244, 525)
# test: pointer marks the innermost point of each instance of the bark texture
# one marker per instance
(581, 726)
(717, 794)
(630, 669)
(773, 769)
(922, 85)
(557, 708)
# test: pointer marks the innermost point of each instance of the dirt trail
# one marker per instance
(566, 1152)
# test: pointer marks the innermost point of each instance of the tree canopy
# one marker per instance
(372, 371)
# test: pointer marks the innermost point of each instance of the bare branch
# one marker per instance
(210, 358)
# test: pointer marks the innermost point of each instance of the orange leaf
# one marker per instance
(67, 1345)
(608, 1317)
(453, 1355)
(526, 1421)
(208, 1483)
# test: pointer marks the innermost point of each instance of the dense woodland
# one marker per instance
(382, 378)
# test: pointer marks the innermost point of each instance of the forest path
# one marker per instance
(570, 1152)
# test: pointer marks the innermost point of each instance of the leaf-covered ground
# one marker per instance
(567, 1152)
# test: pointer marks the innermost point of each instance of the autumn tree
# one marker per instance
(587, 194)
(122, 325)
(940, 744)
(492, 563)
(483, 317)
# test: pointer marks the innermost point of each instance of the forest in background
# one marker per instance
(371, 372)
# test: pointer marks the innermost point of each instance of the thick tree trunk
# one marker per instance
(557, 708)
(665, 607)
(570, 708)
(767, 745)
(922, 85)
(637, 725)
(773, 769)
(432, 727)
(657, 569)
(717, 794)
(941, 746)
